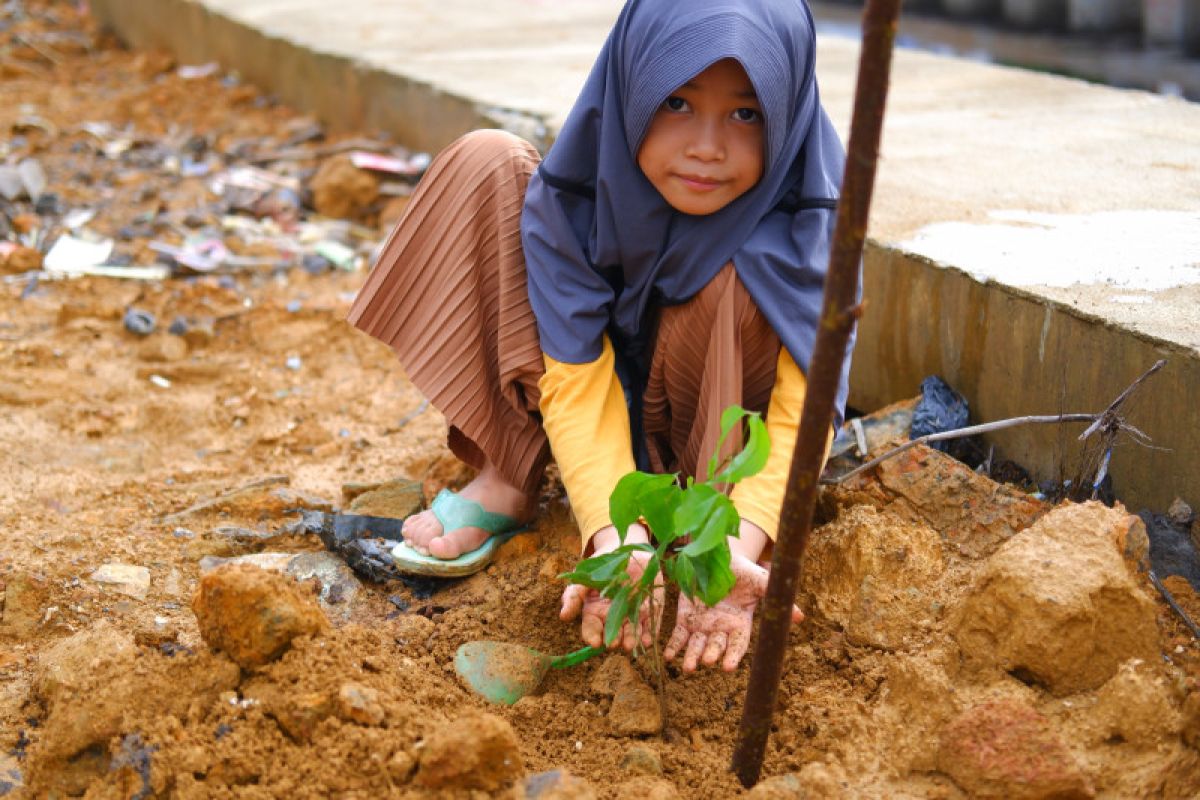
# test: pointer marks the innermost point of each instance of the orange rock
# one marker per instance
(342, 190)
(253, 615)
(476, 751)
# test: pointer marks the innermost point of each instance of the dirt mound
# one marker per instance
(146, 460)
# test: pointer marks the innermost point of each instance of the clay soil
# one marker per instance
(937, 659)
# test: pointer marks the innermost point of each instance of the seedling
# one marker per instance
(689, 526)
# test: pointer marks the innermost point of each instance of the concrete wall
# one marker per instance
(1013, 354)
(344, 93)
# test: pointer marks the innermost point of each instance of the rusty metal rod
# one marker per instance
(838, 313)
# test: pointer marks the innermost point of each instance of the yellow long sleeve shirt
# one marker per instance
(586, 419)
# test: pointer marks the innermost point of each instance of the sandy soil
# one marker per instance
(963, 639)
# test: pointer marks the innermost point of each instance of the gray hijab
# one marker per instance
(603, 249)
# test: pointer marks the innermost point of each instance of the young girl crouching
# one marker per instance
(604, 306)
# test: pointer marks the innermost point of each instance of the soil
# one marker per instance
(962, 639)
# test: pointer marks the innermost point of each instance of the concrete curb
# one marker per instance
(344, 92)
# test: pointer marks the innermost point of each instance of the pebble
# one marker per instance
(139, 321)
(124, 578)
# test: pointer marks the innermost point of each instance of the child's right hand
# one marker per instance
(577, 599)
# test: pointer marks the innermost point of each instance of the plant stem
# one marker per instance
(659, 670)
(838, 314)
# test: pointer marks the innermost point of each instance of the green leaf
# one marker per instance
(640, 495)
(679, 569)
(617, 613)
(623, 503)
(598, 572)
(657, 503)
(714, 578)
(753, 456)
(718, 525)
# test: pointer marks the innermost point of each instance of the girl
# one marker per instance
(665, 261)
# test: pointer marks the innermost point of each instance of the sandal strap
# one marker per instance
(454, 511)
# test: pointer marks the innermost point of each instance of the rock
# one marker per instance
(778, 787)
(22, 259)
(23, 602)
(876, 575)
(476, 751)
(400, 766)
(342, 190)
(358, 703)
(66, 665)
(199, 333)
(337, 583)
(1134, 706)
(641, 760)
(298, 713)
(557, 784)
(1003, 748)
(614, 672)
(1057, 605)
(139, 321)
(646, 788)
(971, 512)
(635, 710)
(124, 578)
(91, 680)
(398, 499)
(262, 499)
(162, 348)
(1180, 513)
(253, 615)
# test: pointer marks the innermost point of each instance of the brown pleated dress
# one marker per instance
(448, 294)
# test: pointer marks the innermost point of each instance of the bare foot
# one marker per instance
(424, 534)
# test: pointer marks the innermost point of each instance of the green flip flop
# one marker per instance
(456, 512)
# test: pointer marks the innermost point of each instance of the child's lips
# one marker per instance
(699, 183)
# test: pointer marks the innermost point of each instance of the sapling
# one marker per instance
(689, 525)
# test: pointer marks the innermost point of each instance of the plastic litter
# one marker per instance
(72, 254)
(939, 409)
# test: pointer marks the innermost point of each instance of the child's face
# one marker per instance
(704, 148)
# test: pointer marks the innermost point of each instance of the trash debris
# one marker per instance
(72, 254)
(198, 71)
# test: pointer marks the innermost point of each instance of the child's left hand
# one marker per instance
(721, 632)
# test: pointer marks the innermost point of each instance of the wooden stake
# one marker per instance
(838, 313)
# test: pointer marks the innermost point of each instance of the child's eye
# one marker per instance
(673, 103)
(747, 115)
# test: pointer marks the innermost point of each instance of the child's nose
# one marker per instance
(706, 142)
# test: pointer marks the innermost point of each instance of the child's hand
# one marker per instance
(578, 598)
(722, 633)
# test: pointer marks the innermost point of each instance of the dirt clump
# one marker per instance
(1057, 605)
(397, 499)
(1006, 749)
(876, 575)
(253, 615)
(475, 751)
(342, 190)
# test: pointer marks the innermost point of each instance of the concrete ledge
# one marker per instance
(965, 144)
(1014, 353)
(340, 88)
